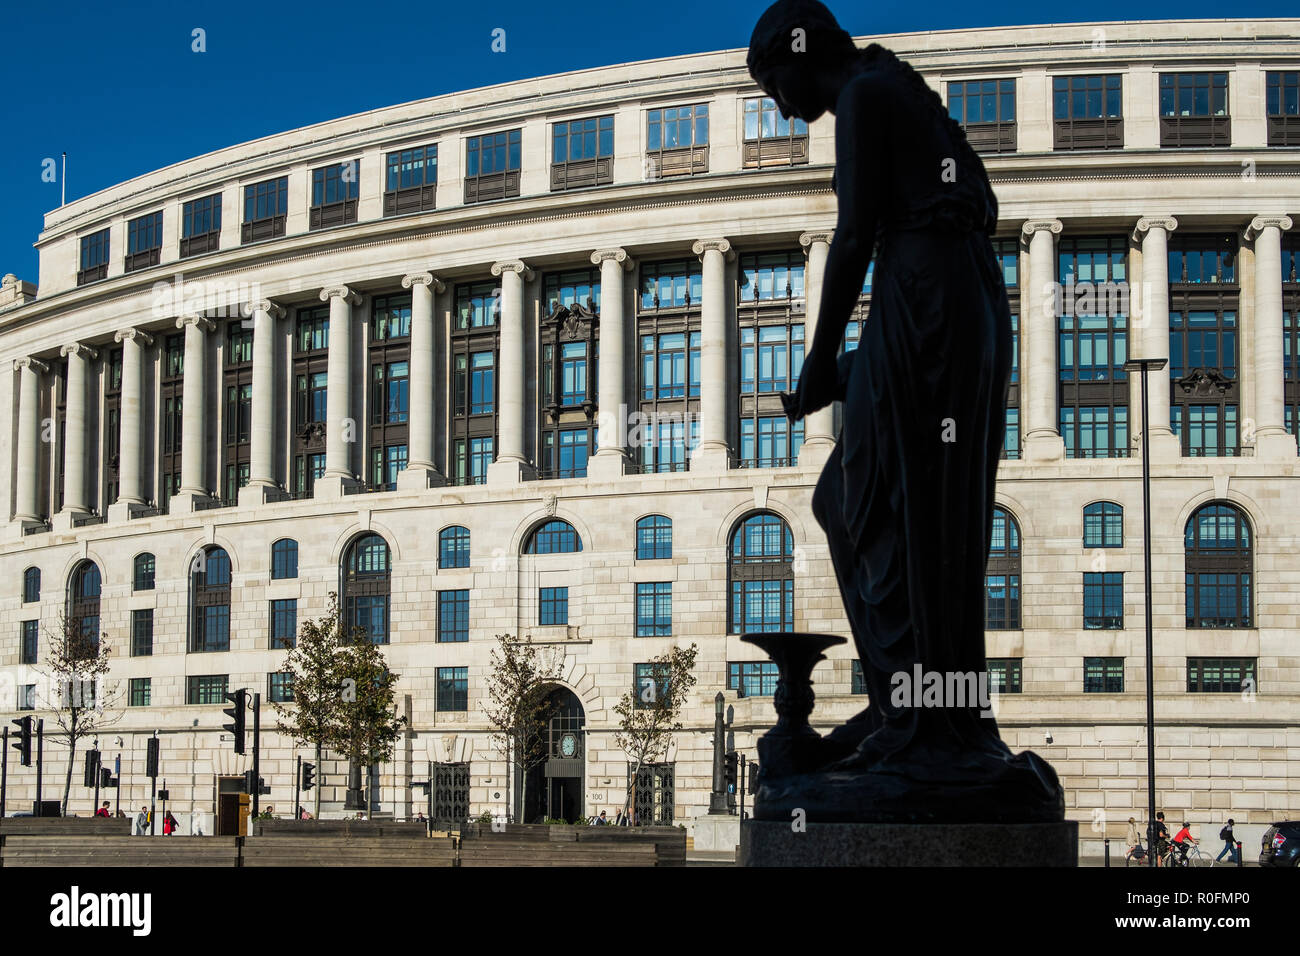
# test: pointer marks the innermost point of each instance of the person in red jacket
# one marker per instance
(102, 811)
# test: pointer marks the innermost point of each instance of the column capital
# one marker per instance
(264, 305)
(1031, 226)
(198, 321)
(424, 278)
(341, 292)
(619, 255)
(1167, 223)
(1260, 223)
(36, 365)
(513, 265)
(701, 246)
(823, 235)
(139, 336)
(81, 351)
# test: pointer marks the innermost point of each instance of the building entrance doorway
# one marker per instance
(556, 785)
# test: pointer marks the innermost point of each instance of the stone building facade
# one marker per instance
(363, 335)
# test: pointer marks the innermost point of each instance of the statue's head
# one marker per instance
(796, 47)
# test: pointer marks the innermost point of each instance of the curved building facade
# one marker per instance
(508, 361)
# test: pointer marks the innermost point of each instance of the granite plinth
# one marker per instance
(771, 843)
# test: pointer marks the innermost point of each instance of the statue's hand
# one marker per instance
(818, 387)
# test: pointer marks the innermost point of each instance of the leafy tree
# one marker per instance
(519, 706)
(76, 688)
(649, 713)
(365, 726)
(311, 664)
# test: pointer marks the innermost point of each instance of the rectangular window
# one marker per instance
(140, 691)
(27, 697)
(752, 678)
(1194, 110)
(771, 357)
(284, 623)
(266, 206)
(1004, 675)
(334, 193)
(1221, 675)
(143, 241)
(857, 680)
(762, 605)
(453, 689)
(472, 461)
(677, 141)
(654, 609)
(211, 628)
(453, 617)
(142, 632)
(582, 152)
(1103, 675)
(1087, 112)
(94, 257)
(770, 442)
(986, 109)
(650, 683)
(201, 225)
(1282, 107)
(492, 163)
(1103, 600)
(772, 139)
(411, 180)
(206, 689)
(30, 642)
(654, 540)
(553, 606)
(279, 687)
(1002, 602)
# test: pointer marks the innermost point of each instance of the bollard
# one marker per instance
(1107, 850)
(1239, 853)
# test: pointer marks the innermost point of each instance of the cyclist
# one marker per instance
(1183, 840)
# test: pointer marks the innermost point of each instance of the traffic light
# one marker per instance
(92, 768)
(733, 766)
(106, 778)
(753, 777)
(262, 788)
(151, 759)
(24, 743)
(308, 777)
(236, 727)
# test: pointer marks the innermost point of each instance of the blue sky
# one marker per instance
(118, 87)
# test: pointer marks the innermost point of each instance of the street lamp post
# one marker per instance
(1142, 366)
(718, 799)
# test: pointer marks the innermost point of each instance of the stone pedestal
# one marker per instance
(771, 843)
(718, 832)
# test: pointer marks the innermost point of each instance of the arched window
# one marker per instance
(761, 575)
(83, 602)
(142, 574)
(367, 583)
(1002, 575)
(31, 585)
(553, 537)
(1103, 525)
(284, 559)
(210, 601)
(1218, 556)
(654, 538)
(453, 547)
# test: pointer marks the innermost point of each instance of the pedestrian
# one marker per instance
(142, 822)
(1159, 838)
(169, 824)
(1229, 843)
(601, 821)
(419, 817)
(304, 814)
(103, 811)
(1134, 840)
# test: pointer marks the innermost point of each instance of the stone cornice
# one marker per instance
(425, 279)
(340, 292)
(1260, 223)
(516, 266)
(134, 335)
(79, 350)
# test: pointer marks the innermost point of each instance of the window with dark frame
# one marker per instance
(654, 609)
(411, 180)
(279, 687)
(453, 547)
(1087, 112)
(237, 383)
(390, 389)
(857, 679)
(568, 373)
(284, 623)
(284, 559)
(367, 588)
(474, 349)
(143, 241)
(1103, 600)
(761, 575)
(770, 304)
(31, 585)
(1004, 675)
(82, 612)
(582, 152)
(206, 688)
(266, 208)
(142, 632)
(171, 395)
(1222, 675)
(1103, 675)
(1002, 575)
(112, 423)
(311, 408)
(141, 691)
(453, 690)
(492, 165)
(771, 138)
(1219, 565)
(654, 538)
(651, 682)
(1103, 525)
(986, 110)
(335, 190)
(677, 141)
(1194, 110)
(94, 257)
(1007, 252)
(553, 606)
(27, 697)
(668, 324)
(201, 226)
(453, 617)
(752, 678)
(210, 602)
(1282, 107)
(30, 644)
(553, 537)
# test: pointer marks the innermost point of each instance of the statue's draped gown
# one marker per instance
(906, 499)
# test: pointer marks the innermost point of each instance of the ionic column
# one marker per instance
(338, 403)
(1152, 327)
(261, 459)
(1272, 440)
(194, 420)
(819, 427)
(74, 453)
(130, 487)
(27, 504)
(611, 453)
(1042, 440)
(714, 451)
(421, 471)
(511, 466)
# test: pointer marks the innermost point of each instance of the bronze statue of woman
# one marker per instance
(906, 499)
